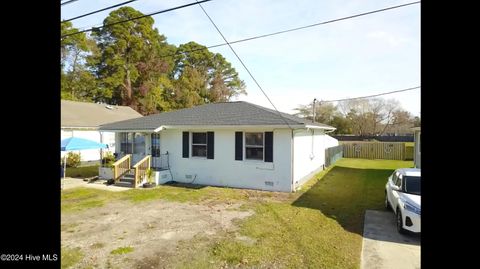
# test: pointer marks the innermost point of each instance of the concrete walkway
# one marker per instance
(71, 183)
(383, 247)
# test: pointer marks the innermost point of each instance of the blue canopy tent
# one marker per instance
(75, 143)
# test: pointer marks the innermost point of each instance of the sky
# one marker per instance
(357, 57)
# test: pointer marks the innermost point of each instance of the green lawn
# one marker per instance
(321, 228)
(85, 198)
(82, 172)
(317, 227)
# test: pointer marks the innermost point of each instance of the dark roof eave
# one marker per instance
(161, 127)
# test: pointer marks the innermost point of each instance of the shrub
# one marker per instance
(108, 160)
(150, 175)
(73, 159)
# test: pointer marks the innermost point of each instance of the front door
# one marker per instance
(155, 151)
(138, 148)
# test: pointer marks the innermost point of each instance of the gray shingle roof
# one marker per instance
(92, 115)
(224, 114)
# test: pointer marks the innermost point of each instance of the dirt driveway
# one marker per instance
(153, 229)
(383, 247)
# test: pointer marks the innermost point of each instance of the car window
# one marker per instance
(412, 185)
(399, 181)
(394, 178)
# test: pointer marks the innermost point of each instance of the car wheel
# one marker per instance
(400, 222)
(387, 204)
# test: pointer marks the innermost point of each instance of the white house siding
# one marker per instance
(90, 154)
(330, 141)
(224, 170)
(309, 153)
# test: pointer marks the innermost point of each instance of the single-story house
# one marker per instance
(234, 144)
(417, 148)
(80, 119)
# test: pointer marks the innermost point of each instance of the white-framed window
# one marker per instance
(126, 141)
(199, 144)
(254, 145)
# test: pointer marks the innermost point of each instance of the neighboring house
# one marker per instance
(417, 147)
(234, 144)
(80, 119)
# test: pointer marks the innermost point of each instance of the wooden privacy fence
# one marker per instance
(333, 154)
(374, 150)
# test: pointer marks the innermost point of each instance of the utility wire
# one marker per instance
(369, 96)
(246, 68)
(135, 18)
(96, 11)
(296, 29)
(68, 2)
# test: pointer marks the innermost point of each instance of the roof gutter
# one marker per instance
(78, 128)
(127, 130)
(320, 127)
(159, 129)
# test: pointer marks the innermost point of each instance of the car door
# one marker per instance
(391, 181)
(395, 193)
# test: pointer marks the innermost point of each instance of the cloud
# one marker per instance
(391, 39)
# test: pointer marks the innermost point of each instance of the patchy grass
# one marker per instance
(70, 257)
(181, 193)
(82, 172)
(121, 250)
(69, 228)
(97, 245)
(320, 228)
(84, 198)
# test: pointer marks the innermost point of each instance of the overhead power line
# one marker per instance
(369, 96)
(297, 28)
(135, 18)
(68, 2)
(100, 10)
(246, 68)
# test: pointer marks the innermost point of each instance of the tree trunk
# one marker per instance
(74, 70)
(128, 88)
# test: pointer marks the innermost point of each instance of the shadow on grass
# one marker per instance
(345, 193)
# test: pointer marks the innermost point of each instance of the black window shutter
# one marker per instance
(185, 144)
(238, 146)
(210, 145)
(269, 147)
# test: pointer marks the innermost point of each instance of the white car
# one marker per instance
(402, 195)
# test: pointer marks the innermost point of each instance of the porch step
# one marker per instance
(128, 177)
(127, 180)
(124, 184)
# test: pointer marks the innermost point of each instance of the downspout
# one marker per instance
(101, 150)
(293, 156)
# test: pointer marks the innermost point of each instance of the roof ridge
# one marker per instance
(275, 112)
